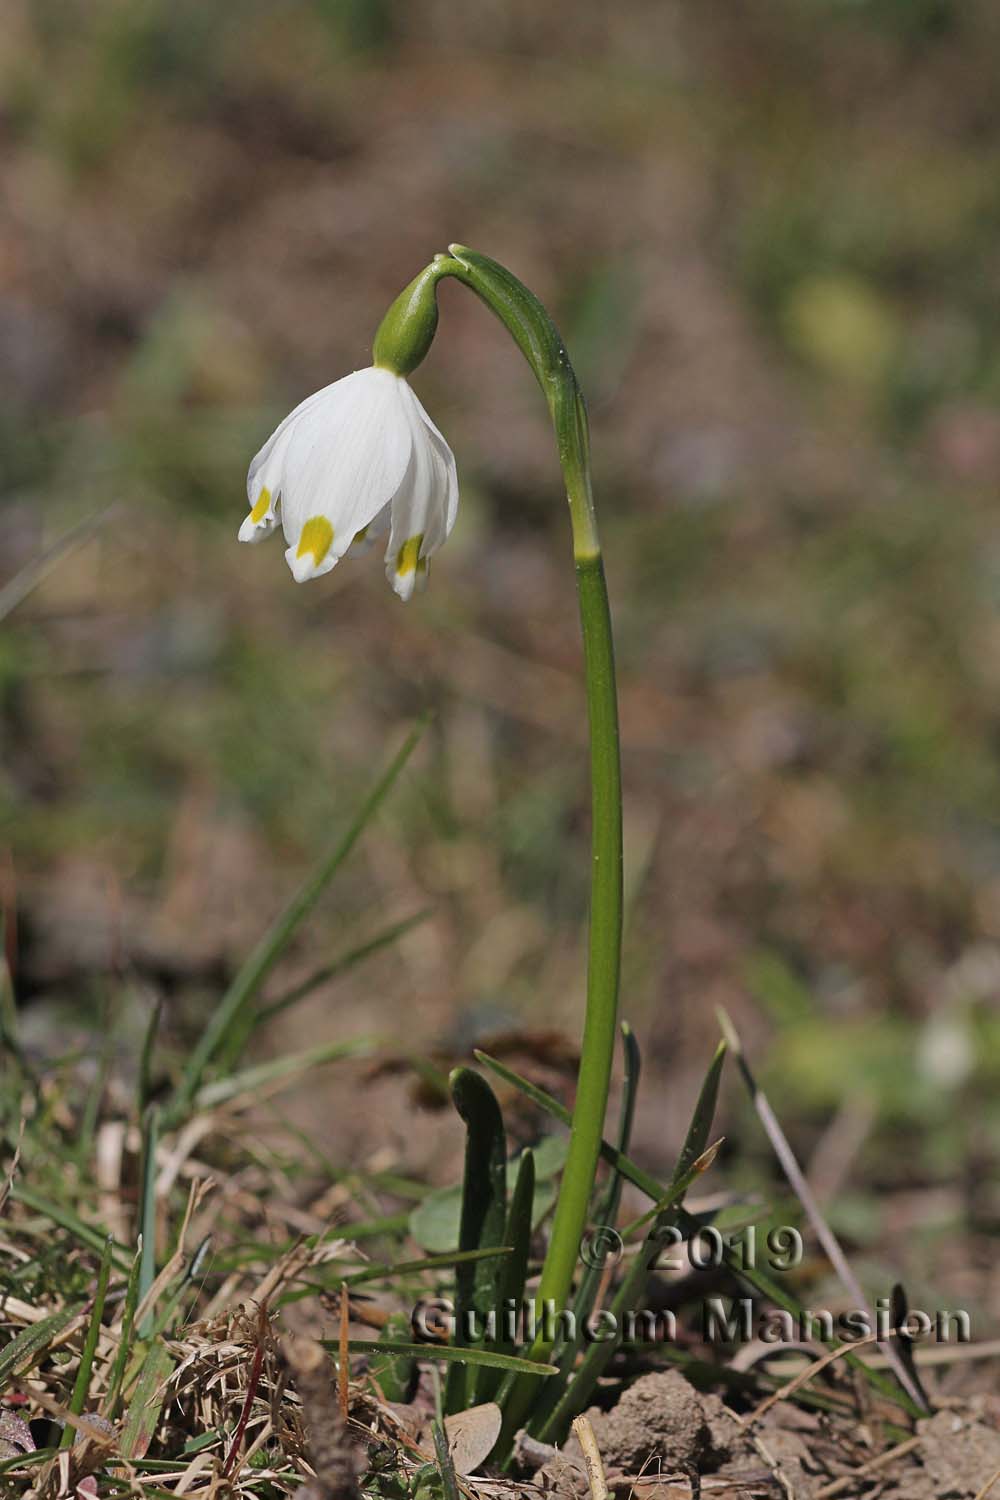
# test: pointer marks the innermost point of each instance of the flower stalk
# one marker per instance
(524, 317)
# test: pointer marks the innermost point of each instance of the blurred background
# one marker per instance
(769, 235)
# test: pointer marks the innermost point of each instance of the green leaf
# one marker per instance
(341, 965)
(435, 1221)
(249, 1080)
(704, 1113)
(147, 1209)
(88, 1234)
(514, 1273)
(482, 1358)
(633, 1173)
(428, 1263)
(147, 1401)
(549, 1157)
(22, 1351)
(81, 1385)
(484, 1213)
(123, 1352)
(446, 1468)
(396, 1375)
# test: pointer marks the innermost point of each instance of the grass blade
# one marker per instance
(147, 1402)
(22, 1351)
(481, 1358)
(65, 1218)
(607, 1213)
(144, 1088)
(17, 589)
(704, 1113)
(429, 1263)
(147, 1208)
(341, 965)
(449, 1485)
(250, 1080)
(389, 1270)
(628, 1169)
(229, 1014)
(81, 1385)
(109, 1406)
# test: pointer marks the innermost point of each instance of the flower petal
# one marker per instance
(313, 554)
(275, 447)
(346, 458)
(451, 470)
(265, 473)
(423, 510)
(263, 517)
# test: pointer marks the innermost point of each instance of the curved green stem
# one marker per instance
(401, 341)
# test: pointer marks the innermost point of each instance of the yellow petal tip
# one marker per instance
(316, 537)
(261, 505)
(408, 557)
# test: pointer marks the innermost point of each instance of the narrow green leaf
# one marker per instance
(446, 1468)
(428, 1263)
(484, 1211)
(109, 1406)
(81, 1385)
(628, 1169)
(30, 576)
(396, 1377)
(144, 1085)
(146, 1403)
(607, 1213)
(482, 1358)
(517, 1234)
(22, 1351)
(388, 1271)
(341, 965)
(249, 1080)
(704, 1113)
(65, 1218)
(147, 1209)
(230, 1011)
(27, 1460)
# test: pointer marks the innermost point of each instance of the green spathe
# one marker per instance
(407, 331)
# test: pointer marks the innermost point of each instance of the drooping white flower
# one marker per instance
(357, 459)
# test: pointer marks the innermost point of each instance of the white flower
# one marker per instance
(358, 458)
